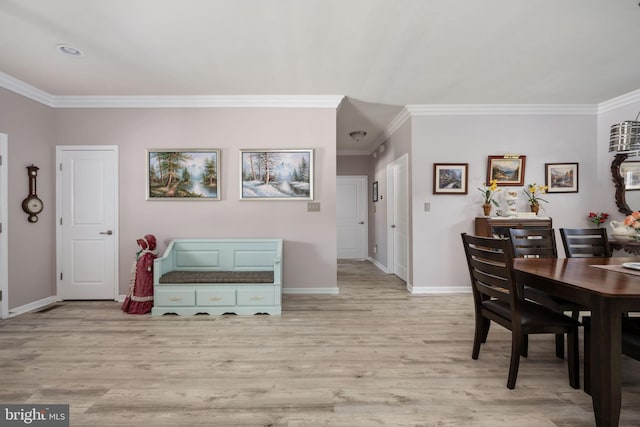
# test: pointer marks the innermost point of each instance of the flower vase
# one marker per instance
(535, 207)
(487, 209)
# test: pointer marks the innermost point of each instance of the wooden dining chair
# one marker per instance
(630, 344)
(498, 298)
(533, 242)
(585, 242)
(541, 243)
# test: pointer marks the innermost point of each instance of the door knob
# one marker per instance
(393, 226)
(361, 222)
(108, 232)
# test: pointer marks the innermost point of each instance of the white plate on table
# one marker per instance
(632, 265)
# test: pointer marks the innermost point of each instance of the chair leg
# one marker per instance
(525, 345)
(560, 346)
(573, 358)
(575, 315)
(485, 328)
(587, 360)
(516, 351)
(482, 329)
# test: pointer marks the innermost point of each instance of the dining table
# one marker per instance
(608, 287)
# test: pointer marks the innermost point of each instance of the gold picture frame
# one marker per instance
(507, 170)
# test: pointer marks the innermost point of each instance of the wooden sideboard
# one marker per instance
(629, 247)
(499, 226)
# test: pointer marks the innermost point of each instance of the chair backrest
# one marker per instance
(490, 263)
(585, 242)
(533, 242)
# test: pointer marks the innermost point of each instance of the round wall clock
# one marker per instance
(32, 205)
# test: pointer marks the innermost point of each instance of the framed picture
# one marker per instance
(191, 174)
(450, 178)
(375, 191)
(507, 170)
(561, 177)
(630, 172)
(276, 174)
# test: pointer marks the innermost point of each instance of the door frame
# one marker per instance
(361, 179)
(4, 222)
(391, 200)
(116, 227)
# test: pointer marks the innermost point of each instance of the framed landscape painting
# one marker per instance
(276, 174)
(561, 177)
(507, 170)
(191, 174)
(450, 178)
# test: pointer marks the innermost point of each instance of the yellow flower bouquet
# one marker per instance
(533, 193)
(489, 191)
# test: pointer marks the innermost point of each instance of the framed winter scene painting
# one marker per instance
(191, 174)
(276, 174)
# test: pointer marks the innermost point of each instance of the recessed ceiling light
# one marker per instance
(69, 50)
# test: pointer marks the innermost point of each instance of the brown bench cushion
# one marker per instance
(217, 277)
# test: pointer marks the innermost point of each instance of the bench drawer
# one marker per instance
(215, 297)
(175, 297)
(256, 296)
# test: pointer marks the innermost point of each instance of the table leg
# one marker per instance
(606, 351)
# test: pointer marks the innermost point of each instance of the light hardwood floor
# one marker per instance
(372, 356)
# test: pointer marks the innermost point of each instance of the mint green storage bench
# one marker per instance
(218, 276)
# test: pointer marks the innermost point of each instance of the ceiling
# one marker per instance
(380, 54)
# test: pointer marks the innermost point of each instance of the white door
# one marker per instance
(398, 217)
(352, 224)
(87, 209)
(4, 228)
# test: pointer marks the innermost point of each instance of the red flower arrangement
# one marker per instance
(598, 218)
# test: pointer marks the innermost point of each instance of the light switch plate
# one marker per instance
(313, 207)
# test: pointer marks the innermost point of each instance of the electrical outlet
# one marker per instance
(427, 207)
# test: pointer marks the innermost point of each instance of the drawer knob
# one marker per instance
(257, 298)
(215, 298)
(176, 298)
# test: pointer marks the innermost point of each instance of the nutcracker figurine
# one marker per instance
(140, 297)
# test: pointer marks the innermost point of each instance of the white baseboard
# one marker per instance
(439, 289)
(311, 291)
(380, 266)
(32, 306)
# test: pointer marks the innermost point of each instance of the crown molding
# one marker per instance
(362, 152)
(200, 101)
(620, 101)
(394, 125)
(501, 109)
(214, 101)
(21, 88)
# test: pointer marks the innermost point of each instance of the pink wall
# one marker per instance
(29, 126)
(396, 146)
(34, 131)
(551, 138)
(354, 165)
(310, 238)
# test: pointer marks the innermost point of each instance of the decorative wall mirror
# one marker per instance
(626, 178)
